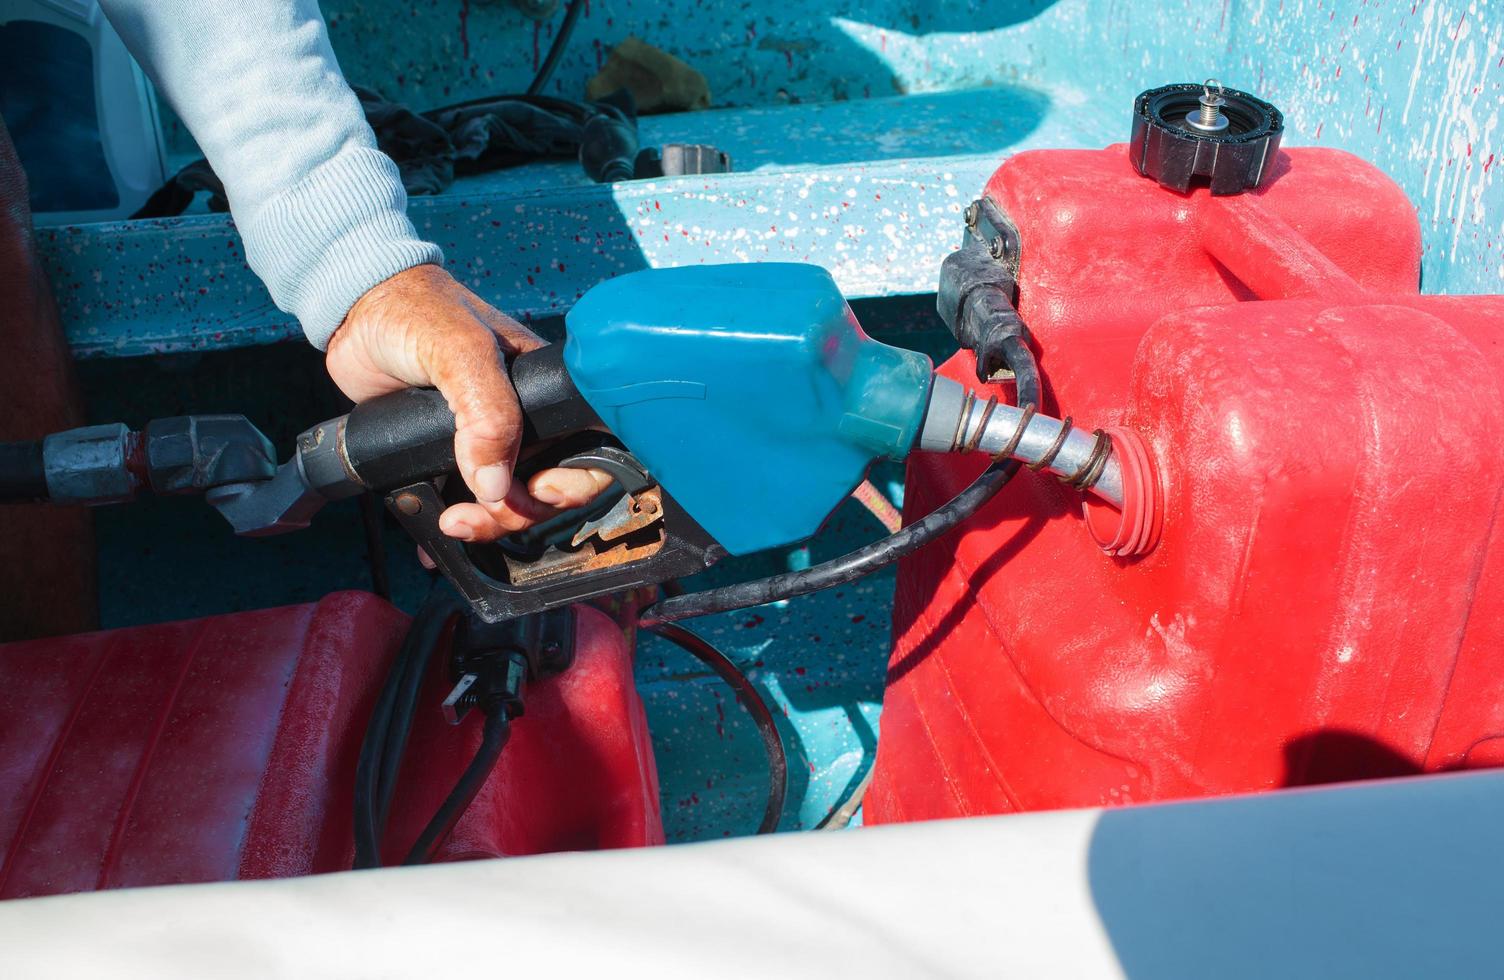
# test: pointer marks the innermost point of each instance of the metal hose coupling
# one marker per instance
(1111, 466)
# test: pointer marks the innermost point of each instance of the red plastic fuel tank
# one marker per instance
(1326, 601)
(225, 748)
(577, 772)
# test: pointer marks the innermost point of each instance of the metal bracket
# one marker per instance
(493, 662)
(989, 227)
(978, 286)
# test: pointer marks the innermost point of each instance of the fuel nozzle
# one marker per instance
(1111, 466)
(959, 421)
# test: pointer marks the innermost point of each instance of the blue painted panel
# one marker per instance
(432, 52)
(1416, 88)
(825, 192)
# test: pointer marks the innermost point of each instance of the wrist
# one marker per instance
(405, 285)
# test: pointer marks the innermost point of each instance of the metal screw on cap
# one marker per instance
(1209, 118)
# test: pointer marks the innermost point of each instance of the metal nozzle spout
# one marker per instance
(958, 421)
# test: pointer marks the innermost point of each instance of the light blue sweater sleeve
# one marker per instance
(321, 209)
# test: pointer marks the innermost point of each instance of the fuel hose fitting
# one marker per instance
(1111, 466)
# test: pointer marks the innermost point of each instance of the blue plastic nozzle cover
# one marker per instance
(749, 391)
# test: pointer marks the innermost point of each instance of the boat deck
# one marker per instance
(168, 319)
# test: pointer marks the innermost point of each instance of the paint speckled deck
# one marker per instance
(868, 187)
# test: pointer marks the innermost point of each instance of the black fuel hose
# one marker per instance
(863, 561)
(556, 50)
(772, 743)
(424, 636)
(391, 721)
(371, 516)
(492, 740)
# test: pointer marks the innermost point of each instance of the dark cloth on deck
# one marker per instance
(431, 148)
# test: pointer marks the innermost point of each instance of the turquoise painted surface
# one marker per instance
(875, 212)
(1417, 88)
(432, 52)
(818, 660)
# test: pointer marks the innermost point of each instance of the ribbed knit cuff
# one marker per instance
(322, 243)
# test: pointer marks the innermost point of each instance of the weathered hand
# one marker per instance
(421, 327)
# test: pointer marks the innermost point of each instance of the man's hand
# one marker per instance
(422, 328)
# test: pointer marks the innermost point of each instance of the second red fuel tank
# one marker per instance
(1326, 601)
